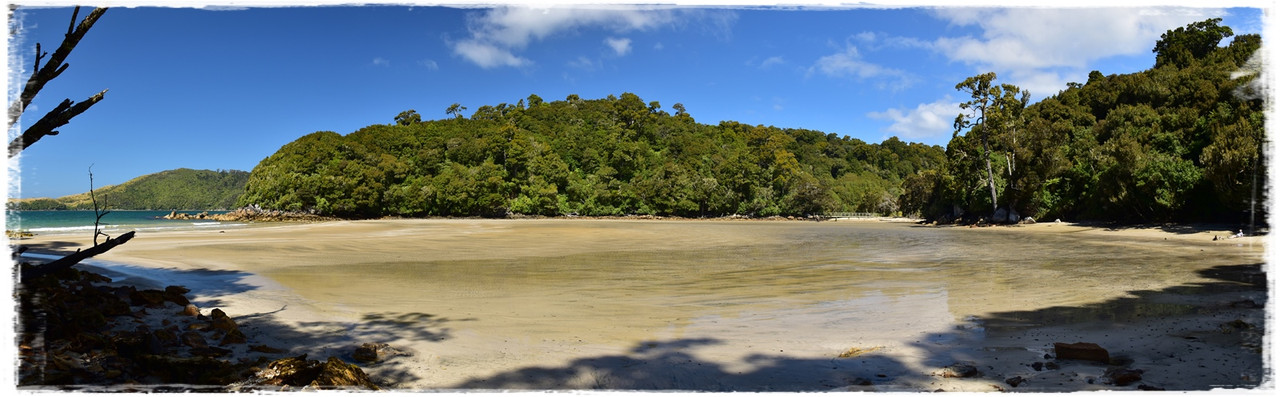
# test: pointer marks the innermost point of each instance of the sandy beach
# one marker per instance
(870, 305)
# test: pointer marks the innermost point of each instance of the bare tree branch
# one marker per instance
(97, 221)
(57, 117)
(55, 65)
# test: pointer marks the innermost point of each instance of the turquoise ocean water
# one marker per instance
(71, 222)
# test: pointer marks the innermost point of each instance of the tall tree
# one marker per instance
(983, 93)
(455, 110)
(1180, 46)
(408, 117)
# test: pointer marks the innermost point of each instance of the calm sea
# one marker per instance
(69, 222)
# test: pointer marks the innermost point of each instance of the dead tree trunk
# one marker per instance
(59, 116)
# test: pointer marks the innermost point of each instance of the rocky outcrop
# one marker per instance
(75, 329)
(298, 372)
(249, 214)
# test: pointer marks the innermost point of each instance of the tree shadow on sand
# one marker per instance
(672, 365)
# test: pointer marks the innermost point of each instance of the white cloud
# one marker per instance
(487, 55)
(429, 64)
(930, 123)
(380, 61)
(620, 46)
(771, 61)
(849, 63)
(1039, 42)
(497, 33)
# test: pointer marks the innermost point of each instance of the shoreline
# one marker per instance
(253, 296)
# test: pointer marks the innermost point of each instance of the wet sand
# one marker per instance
(729, 305)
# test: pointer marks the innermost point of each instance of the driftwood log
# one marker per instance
(71, 260)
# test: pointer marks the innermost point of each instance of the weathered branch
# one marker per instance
(55, 65)
(57, 117)
(71, 260)
(97, 221)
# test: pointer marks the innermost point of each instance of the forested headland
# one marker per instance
(592, 157)
(180, 189)
(1181, 141)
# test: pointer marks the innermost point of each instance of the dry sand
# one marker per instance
(568, 304)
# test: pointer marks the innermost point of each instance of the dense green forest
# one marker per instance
(1181, 141)
(611, 156)
(180, 189)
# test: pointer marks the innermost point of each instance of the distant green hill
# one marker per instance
(180, 189)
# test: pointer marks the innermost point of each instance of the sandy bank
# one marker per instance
(724, 305)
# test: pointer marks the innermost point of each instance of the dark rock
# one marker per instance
(368, 352)
(149, 298)
(234, 337)
(1081, 351)
(194, 340)
(1015, 381)
(1051, 365)
(221, 321)
(1148, 387)
(1123, 376)
(1037, 365)
(166, 337)
(264, 349)
(861, 382)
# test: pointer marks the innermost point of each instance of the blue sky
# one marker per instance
(223, 89)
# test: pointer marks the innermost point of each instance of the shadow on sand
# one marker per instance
(670, 365)
(318, 339)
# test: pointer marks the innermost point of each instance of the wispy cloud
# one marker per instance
(380, 61)
(497, 35)
(584, 63)
(620, 46)
(429, 64)
(772, 61)
(848, 63)
(928, 122)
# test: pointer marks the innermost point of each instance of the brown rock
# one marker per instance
(370, 352)
(1081, 351)
(190, 310)
(960, 371)
(1015, 381)
(1123, 376)
(334, 372)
